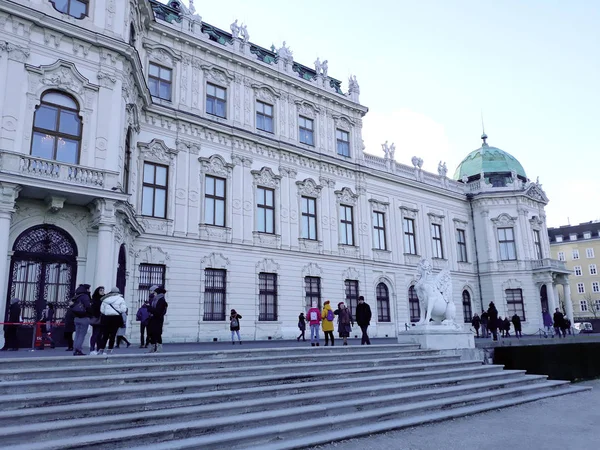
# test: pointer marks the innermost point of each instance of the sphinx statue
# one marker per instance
(435, 295)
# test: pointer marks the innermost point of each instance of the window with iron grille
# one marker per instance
(436, 236)
(309, 218)
(264, 116)
(160, 81)
(346, 225)
(216, 101)
(343, 142)
(410, 243)
(379, 241)
(267, 288)
(214, 294)
(306, 133)
(265, 212)
(506, 239)
(150, 275)
(383, 303)
(312, 289)
(352, 295)
(467, 309)
(214, 201)
(461, 242)
(514, 303)
(154, 190)
(538, 245)
(413, 305)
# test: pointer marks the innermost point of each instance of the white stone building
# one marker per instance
(140, 145)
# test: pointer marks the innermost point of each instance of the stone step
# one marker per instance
(68, 383)
(235, 353)
(255, 397)
(245, 430)
(90, 396)
(217, 361)
(336, 401)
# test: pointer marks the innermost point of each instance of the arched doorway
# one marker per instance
(544, 298)
(467, 308)
(122, 269)
(43, 270)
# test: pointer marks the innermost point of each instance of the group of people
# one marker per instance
(325, 318)
(491, 323)
(558, 323)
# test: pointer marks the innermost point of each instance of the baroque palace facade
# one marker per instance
(140, 145)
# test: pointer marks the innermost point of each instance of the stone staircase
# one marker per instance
(283, 398)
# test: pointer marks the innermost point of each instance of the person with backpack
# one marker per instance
(344, 321)
(82, 310)
(327, 323)
(363, 319)
(111, 317)
(158, 310)
(234, 326)
(143, 316)
(122, 331)
(301, 327)
(95, 320)
(314, 320)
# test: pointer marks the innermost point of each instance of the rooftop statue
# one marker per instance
(324, 68)
(442, 169)
(353, 84)
(235, 29)
(435, 295)
(318, 66)
(244, 31)
(285, 53)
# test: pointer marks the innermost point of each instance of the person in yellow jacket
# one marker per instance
(327, 323)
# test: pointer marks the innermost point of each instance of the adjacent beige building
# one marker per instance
(579, 247)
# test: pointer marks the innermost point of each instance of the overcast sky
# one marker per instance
(428, 68)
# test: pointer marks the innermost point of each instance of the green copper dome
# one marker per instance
(489, 160)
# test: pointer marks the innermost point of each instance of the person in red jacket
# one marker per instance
(314, 320)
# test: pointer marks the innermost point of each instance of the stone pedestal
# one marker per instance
(437, 337)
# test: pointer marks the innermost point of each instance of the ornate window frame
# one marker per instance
(463, 225)
(505, 220)
(266, 94)
(216, 166)
(386, 280)
(222, 78)
(214, 261)
(266, 178)
(269, 266)
(347, 197)
(381, 207)
(437, 220)
(309, 111)
(165, 57)
(310, 188)
(413, 214)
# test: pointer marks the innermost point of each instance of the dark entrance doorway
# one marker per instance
(544, 298)
(122, 270)
(43, 270)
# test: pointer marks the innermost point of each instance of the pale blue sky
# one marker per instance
(428, 68)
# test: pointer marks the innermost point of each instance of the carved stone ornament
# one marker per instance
(312, 270)
(61, 75)
(217, 74)
(460, 222)
(378, 205)
(504, 219)
(309, 188)
(215, 165)
(15, 52)
(214, 261)
(266, 177)
(536, 193)
(267, 265)
(350, 274)
(306, 109)
(265, 93)
(537, 222)
(288, 172)
(511, 283)
(346, 196)
(158, 151)
(133, 116)
(162, 54)
(188, 146)
(106, 79)
(152, 255)
(435, 218)
(241, 160)
(343, 123)
(409, 213)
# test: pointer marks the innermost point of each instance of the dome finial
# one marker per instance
(483, 136)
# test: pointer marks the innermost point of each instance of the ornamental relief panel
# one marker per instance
(157, 151)
(217, 75)
(346, 196)
(216, 165)
(309, 188)
(306, 109)
(436, 218)
(504, 219)
(409, 213)
(266, 177)
(378, 205)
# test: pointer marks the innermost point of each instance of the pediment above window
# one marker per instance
(309, 188)
(157, 151)
(505, 219)
(61, 75)
(216, 165)
(307, 109)
(162, 54)
(266, 177)
(217, 74)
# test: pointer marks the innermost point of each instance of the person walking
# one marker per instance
(559, 322)
(95, 320)
(493, 320)
(122, 331)
(314, 320)
(344, 321)
(82, 310)
(301, 327)
(234, 326)
(485, 324)
(47, 321)
(143, 316)
(548, 325)
(11, 338)
(567, 326)
(69, 327)
(476, 323)
(157, 309)
(506, 327)
(363, 319)
(516, 321)
(327, 323)
(111, 317)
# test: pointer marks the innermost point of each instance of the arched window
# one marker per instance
(413, 304)
(383, 303)
(467, 310)
(132, 36)
(57, 128)
(127, 162)
(74, 8)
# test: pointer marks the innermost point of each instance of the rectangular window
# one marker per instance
(506, 239)
(150, 275)
(379, 241)
(214, 201)
(264, 117)
(312, 291)
(538, 244)
(127, 162)
(265, 213)
(461, 242)
(267, 296)
(595, 286)
(583, 305)
(410, 242)
(352, 296)
(309, 218)
(216, 100)
(214, 294)
(589, 252)
(343, 142)
(346, 225)
(559, 238)
(587, 235)
(577, 270)
(160, 81)
(154, 190)
(575, 254)
(561, 256)
(514, 303)
(306, 131)
(436, 235)
(581, 288)
(573, 236)
(593, 269)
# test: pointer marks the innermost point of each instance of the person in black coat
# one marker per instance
(97, 327)
(484, 324)
(559, 322)
(506, 326)
(363, 319)
(516, 321)
(493, 320)
(301, 327)
(69, 329)
(476, 322)
(157, 309)
(82, 310)
(11, 340)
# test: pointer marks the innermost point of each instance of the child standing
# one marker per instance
(301, 327)
(314, 319)
(234, 326)
(327, 324)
